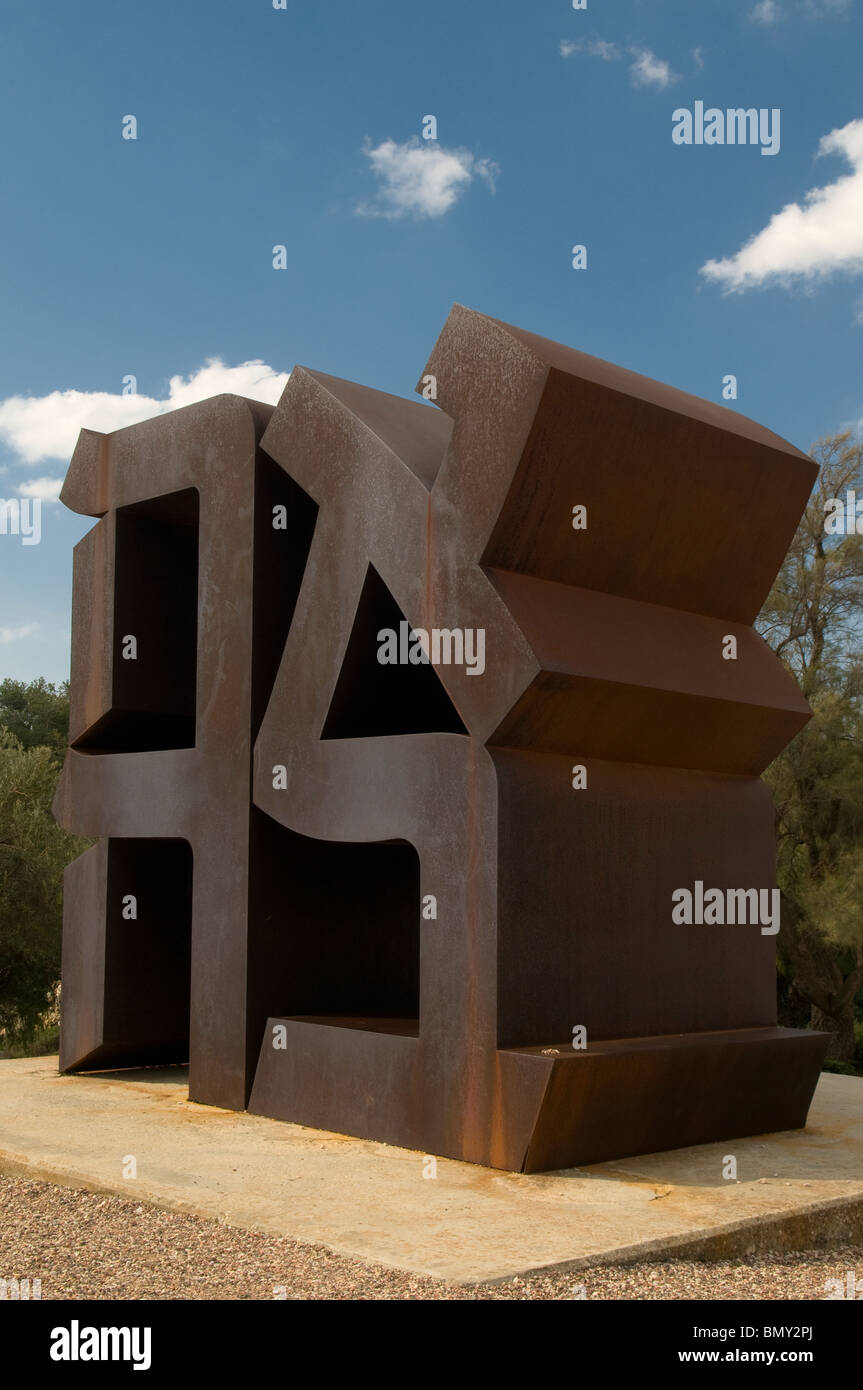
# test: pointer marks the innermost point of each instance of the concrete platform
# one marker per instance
(794, 1190)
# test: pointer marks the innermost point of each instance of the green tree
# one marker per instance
(812, 620)
(34, 850)
(36, 713)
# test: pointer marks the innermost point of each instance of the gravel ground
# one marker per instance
(85, 1245)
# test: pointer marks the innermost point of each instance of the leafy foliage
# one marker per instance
(812, 619)
(36, 713)
(34, 850)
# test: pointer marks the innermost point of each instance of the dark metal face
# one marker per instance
(402, 725)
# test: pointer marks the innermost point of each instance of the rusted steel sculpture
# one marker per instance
(423, 748)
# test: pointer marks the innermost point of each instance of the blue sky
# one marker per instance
(302, 127)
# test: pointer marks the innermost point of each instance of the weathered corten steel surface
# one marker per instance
(369, 897)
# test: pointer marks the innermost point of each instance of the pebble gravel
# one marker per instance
(86, 1245)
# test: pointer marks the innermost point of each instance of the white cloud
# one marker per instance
(15, 634)
(646, 70)
(649, 71)
(421, 178)
(771, 12)
(46, 489)
(698, 58)
(46, 427)
(821, 238)
(765, 12)
(594, 47)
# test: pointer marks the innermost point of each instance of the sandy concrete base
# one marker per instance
(793, 1190)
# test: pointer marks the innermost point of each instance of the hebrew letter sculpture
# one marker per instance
(407, 730)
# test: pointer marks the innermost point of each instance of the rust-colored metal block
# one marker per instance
(449, 705)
